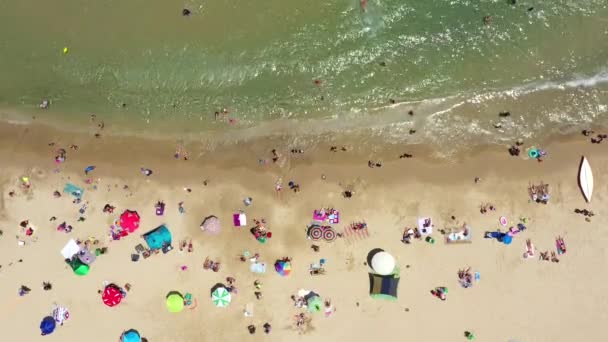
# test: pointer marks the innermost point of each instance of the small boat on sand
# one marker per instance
(585, 179)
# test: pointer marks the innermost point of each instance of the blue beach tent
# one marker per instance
(158, 237)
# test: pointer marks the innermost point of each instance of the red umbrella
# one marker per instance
(111, 295)
(129, 221)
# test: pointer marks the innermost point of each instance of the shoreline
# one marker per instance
(387, 198)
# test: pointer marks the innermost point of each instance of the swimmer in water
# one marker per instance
(363, 5)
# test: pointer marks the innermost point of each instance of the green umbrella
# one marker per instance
(314, 304)
(81, 269)
(175, 302)
(221, 297)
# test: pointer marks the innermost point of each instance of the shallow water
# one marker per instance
(547, 66)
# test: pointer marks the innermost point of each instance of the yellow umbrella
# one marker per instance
(175, 302)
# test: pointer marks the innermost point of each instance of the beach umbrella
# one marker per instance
(282, 267)
(131, 335)
(315, 232)
(211, 225)
(60, 314)
(81, 269)
(175, 302)
(507, 239)
(221, 297)
(314, 304)
(88, 169)
(111, 295)
(129, 220)
(47, 325)
(383, 263)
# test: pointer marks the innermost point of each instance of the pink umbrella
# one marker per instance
(129, 220)
(111, 295)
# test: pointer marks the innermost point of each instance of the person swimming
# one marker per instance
(363, 5)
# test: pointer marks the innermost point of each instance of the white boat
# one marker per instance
(585, 179)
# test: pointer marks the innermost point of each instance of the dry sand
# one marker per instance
(516, 299)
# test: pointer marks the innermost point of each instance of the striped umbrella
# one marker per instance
(221, 297)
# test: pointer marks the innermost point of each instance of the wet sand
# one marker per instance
(516, 298)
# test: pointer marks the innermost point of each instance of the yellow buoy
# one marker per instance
(65, 50)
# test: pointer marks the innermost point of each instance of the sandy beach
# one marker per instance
(514, 299)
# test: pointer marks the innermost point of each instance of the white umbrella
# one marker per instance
(383, 263)
(221, 297)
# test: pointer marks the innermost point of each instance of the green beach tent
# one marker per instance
(383, 286)
(175, 302)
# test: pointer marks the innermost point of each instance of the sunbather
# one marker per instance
(561, 245)
(529, 249)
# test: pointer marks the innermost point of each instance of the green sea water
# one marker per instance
(143, 64)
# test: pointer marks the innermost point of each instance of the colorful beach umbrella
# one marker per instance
(47, 325)
(131, 335)
(111, 295)
(221, 297)
(129, 220)
(507, 239)
(175, 302)
(282, 267)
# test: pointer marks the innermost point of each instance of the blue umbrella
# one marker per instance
(131, 336)
(506, 239)
(47, 325)
(89, 169)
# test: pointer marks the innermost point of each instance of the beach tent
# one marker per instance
(73, 190)
(129, 220)
(158, 237)
(282, 267)
(70, 249)
(79, 267)
(383, 287)
(175, 301)
(221, 297)
(112, 295)
(131, 335)
(47, 325)
(383, 263)
(211, 225)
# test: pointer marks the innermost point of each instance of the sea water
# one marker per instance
(310, 68)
